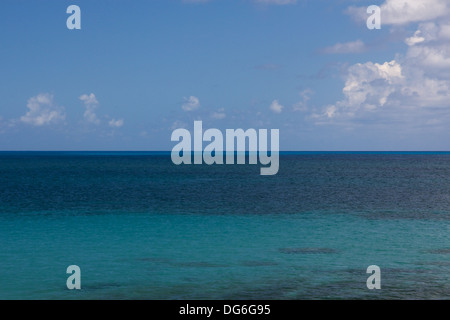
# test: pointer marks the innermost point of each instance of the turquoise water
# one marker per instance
(140, 227)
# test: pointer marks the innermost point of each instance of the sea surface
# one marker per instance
(140, 227)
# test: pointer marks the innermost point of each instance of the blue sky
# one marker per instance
(137, 70)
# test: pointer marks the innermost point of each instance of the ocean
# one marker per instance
(140, 227)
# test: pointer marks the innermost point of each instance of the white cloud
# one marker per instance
(432, 57)
(397, 12)
(406, 11)
(90, 103)
(276, 107)
(414, 87)
(43, 111)
(426, 32)
(348, 47)
(191, 103)
(89, 99)
(429, 49)
(392, 88)
(366, 85)
(116, 123)
(416, 38)
(371, 87)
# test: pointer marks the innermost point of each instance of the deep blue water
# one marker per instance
(141, 227)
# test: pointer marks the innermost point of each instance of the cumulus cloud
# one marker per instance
(348, 47)
(191, 103)
(90, 103)
(276, 107)
(430, 47)
(406, 11)
(367, 87)
(398, 12)
(372, 87)
(413, 87)
(43, 111)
